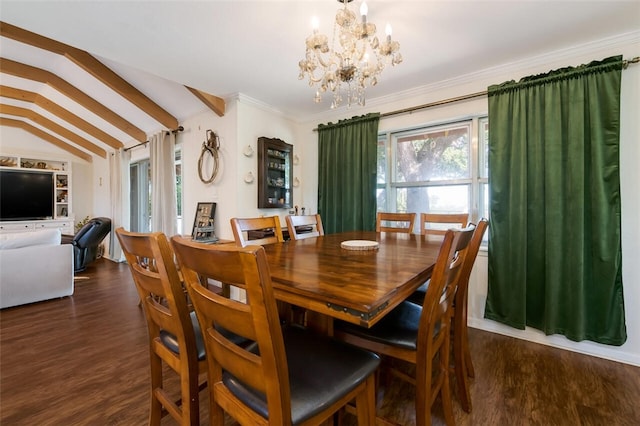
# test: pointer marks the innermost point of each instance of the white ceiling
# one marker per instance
(253, 47)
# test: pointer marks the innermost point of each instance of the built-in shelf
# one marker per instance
(61, 171)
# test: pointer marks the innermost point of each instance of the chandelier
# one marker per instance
(354, 61)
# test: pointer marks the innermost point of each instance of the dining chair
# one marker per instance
(420, 335)
(241, 226)
(290, 375)
(437, 223)
(174, 334)
(313, 221)
(395, 222)
(462, 364)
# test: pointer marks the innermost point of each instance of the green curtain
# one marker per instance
(347, 173)
(555, 257)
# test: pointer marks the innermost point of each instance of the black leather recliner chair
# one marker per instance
(86, 241)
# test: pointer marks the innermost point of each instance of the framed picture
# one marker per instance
(203, 223)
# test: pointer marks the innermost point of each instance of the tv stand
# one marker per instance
(64, 225)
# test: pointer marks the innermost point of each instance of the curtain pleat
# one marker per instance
(119, 193)
(347, 173)
(163, 183)
(555, 256)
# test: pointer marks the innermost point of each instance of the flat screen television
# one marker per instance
(26, 195)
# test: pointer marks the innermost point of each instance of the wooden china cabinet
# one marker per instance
(275, 173)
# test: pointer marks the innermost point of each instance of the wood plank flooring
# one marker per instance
(83, 360)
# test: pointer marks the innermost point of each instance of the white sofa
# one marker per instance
(34, 266)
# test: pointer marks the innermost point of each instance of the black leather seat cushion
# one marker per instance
(320, 371)
(398, 328)
(170, 341)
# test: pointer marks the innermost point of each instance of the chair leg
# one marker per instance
(155, 414)
(445, 390)
(467, 358)
(216, 415)
(465, 345)
(460, 371)
(366, 403)
(190, 400)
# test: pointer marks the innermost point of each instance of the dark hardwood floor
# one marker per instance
(83, 360)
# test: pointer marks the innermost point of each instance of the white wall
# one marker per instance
(629, 167)
(244, 122)
(221, 190)
(256, 120)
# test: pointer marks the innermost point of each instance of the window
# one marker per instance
(140, 196)
(440, 169)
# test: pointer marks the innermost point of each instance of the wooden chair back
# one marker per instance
(257, 321)
(429, 352)
(263, 368)
(164, 300)
(434, 329)
(463, 365)
(395, 222)
(312, 220)
(453, 220)
(240, 228)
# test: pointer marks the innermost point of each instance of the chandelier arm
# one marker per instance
(313, 79)
(326, 64)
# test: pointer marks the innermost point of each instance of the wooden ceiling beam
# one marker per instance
(95, 68)
(214, 103)
(57, 110)
(54, 127)
(37, 74)
(9, 122)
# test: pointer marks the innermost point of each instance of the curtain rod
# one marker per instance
(625, 64)
(436, 103)
(179, 129)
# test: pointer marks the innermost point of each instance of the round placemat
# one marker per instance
(359, 245)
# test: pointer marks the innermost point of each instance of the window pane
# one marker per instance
(381, 198)
(484, 207)
(433, 199)
(484, 200)
(484, 147)
(434, 155)
(382, 162)
(140, 196)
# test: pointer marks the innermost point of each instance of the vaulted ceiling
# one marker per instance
(50, 130)
(92, 76)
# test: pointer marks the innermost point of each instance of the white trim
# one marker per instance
(613, 353)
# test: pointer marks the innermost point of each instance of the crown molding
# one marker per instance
(515, 67)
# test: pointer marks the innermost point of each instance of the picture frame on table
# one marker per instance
(203, 223)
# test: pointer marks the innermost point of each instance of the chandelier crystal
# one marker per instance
(354, 61)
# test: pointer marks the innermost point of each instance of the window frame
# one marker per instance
(475, 182)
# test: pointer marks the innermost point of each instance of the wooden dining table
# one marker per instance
(358, 286)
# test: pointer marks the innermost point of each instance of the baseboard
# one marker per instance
(611, 353)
